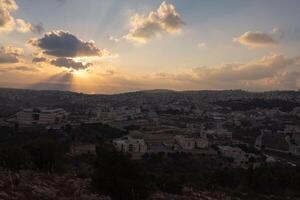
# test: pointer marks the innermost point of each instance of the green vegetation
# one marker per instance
(243, 105)
(90, 132)
(32, 150)
(14, 157)
(46, 154)
(119, 177)
(122, 178)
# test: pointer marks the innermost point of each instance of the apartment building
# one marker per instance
(41, 117)
(130, 144)
(190, 142)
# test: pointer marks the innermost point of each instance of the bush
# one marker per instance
(119, 177)
(14, 158)
(46, 154)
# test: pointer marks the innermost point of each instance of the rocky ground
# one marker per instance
(190, 194)
(193, 196)
(28, 185)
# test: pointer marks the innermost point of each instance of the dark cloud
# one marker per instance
(65, 44)
(8, 59)
(38, 28)
(39, 59)
(69, 63)
(10, 54)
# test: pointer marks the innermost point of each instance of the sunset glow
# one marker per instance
(111, 46)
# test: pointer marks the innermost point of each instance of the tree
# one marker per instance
(14, 158)
(119, 177)
(46, 154)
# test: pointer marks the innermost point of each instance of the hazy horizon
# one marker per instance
(147, 90)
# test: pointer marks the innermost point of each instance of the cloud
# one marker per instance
(65, 44)
(9, 23)
(164, 20)
(70, 63)
(270, 72)
(114, 39)
(10, 54)
(264, 68)
(24, 68)
(256, 40)
(202, 45)
(18, 68)
(24, 27)
(39, 59)
(6, 20)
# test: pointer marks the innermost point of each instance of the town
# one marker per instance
(231, 129)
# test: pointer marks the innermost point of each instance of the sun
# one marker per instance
(79, 72)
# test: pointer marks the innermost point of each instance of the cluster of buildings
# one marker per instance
(138, 143)
(178, 126)
(286, 140)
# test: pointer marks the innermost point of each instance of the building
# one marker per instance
(130, 144)
(239, 157)
(41, 117)
(218, 133)
(119, 114)
(190, 142)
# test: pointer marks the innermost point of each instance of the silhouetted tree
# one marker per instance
(46, 154)
(118, 176)
(14, 158)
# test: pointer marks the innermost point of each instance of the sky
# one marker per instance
(113, 46)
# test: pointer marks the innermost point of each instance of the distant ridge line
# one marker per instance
(153, 91)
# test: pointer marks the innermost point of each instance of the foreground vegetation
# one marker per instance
(122, 178)
(118, 176)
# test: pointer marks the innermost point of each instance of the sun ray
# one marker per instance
(61, 81)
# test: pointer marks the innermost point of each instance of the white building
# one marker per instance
(130, 144)
(190, 143)
(240, 158)
(41, 117)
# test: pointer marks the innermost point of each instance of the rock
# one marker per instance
(31, 185)
(4, 195)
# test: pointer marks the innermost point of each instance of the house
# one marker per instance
(239, 157)
(189, 142)
(130, 144)
(41, 117)
(218, 133)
